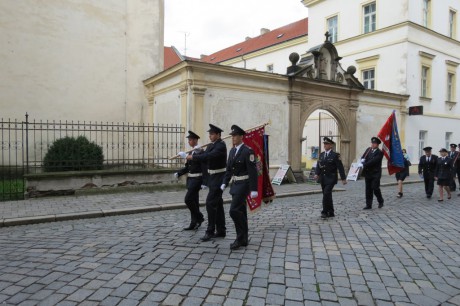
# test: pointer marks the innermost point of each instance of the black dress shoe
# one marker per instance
(191, 227)
(323, 215)
(428, 196)
(368, 207)
(220, 235)
(330, 214)
(380, 205)
(207, 237)
(237, 244)
(198, 224)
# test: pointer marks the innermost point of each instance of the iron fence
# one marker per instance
(125, 146)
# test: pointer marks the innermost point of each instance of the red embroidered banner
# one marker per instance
(256, 140)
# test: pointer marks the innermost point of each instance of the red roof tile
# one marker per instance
(285, 33)
(171, 57)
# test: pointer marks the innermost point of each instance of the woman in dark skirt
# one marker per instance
(401, 176)
(443, 174)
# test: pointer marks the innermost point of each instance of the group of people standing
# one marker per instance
(442, 169)
(210, 168)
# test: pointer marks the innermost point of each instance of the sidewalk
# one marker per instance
(52, 209)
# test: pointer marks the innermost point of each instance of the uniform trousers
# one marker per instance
(215, 205)
(429, 184)
(328, 205)
(373, 188)
(238, 209)
(192, 199)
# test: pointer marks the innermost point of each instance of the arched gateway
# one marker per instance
(319, 82)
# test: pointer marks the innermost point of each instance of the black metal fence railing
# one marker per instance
(24, 145)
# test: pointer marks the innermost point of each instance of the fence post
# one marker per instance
(27, 143)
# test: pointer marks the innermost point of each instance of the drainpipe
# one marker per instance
(244, 61)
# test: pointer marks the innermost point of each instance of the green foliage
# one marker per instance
(73, 154)
(11, 189)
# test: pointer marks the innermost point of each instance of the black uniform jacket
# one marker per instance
(372, 166)
(327, 168)
(215, 157)
(444, 168)
(427, 168)
(194, 166)
(242, 164)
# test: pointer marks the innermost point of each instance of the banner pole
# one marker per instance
(226, 137)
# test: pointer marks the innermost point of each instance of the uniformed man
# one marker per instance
(453, 155)
(457, 163)
(195, 170)
(215, 156)
(426, 170)
(326, 174)
(242, 174)
(372, 171)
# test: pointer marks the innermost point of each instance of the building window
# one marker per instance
(448, 139)
(332, 29)
(450, 86)
(369, 78)
(425, 81)
(426, 13)
(452, 24)
(369, 17)
(421, 142)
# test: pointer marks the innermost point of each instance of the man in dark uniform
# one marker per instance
(457, 163)
(194, 170)
(453, 155)
(426, 169)
(216, 158)
(326, 174)
(372, 171)
(242, 173)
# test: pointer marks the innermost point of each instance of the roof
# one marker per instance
(274, 37)
(172, 57)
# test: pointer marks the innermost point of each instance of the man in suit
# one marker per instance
(453, 155)
(216, 158)
(426, 169)
(326, 174)
(372, 171)
(242, 173)
(457, 164)
(194, 170)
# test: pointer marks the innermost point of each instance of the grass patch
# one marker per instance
(11, 189)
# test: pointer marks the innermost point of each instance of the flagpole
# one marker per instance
(228, 136)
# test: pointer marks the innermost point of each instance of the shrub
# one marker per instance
(73, 154)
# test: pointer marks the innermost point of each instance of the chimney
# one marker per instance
(202, 56)
(247, 38)
(264, 31)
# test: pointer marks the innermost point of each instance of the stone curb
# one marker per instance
(143, 209)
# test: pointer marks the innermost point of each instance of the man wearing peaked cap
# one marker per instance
(426, 170)
(457, 167)
(195, 170)
(241, 172)
(326, 173)
(214, 129)
(215, 158)
(453, 154)
(372, 171)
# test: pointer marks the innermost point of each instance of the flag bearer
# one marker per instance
(372, 171)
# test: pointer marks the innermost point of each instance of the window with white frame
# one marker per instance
(450, 86)
(425, 81)
(369, 78)
(369, 17)
(270, 68)
(421, 142)
(448, 139)
(332, 27)
(426, 19)
(452, 23)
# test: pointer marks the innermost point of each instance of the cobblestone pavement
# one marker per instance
(407, 253)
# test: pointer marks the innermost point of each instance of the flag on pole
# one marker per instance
(391, 145)
(258, 141)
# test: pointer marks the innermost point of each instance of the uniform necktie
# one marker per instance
(326, 154)
(428, 160)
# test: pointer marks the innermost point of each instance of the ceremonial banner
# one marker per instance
(391, 145)
(257, 140)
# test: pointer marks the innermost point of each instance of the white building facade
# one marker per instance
(407, 47)
(79, 60)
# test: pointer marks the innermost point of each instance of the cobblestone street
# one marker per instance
(407, 253)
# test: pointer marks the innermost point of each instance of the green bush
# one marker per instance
(73, 154)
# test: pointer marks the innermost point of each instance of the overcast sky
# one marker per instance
(212, 25)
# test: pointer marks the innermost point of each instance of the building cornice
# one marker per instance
(309, 3)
